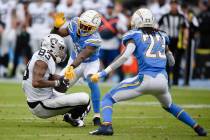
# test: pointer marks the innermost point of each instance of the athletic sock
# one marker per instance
(95, 96)
(107, 104)
(180, 114)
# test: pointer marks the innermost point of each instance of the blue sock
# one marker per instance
(180, 114)
(106, 105)
(95, 96)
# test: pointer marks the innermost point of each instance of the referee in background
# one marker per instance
(176, 26)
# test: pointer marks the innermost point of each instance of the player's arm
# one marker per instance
(84, 54)
(59, 20)
(38, 81)
(60, 31)
(170, 57)
(130, 48)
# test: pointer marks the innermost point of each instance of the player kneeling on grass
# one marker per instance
(149, 46)
(40, 83)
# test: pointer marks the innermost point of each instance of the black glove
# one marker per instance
(63, 85)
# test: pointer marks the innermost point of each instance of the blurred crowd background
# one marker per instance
(23, 23)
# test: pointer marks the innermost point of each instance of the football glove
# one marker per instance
(59, 20)
(95, 77)
(170, 58)
(69, 73)
(63, 85)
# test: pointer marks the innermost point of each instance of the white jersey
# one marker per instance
(38, 94)
(40, 14)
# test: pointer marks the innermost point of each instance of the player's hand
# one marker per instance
(63, 85)
(69, 73)
(96, 77)
(63, 81)
(59, 20)
(170, 58)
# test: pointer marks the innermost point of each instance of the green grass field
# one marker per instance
(138, 119)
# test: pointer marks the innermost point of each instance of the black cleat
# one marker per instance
(200, 131)
(103, 130)
(74, 122)
(96, 121)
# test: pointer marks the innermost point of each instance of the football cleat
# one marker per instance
(74, 122)
(200, 131)
(103, 130)
(96, 121)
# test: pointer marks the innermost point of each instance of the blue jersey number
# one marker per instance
(153, 43)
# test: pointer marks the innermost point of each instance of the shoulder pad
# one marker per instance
(131, 35)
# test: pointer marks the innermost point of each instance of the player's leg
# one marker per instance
(92, 68)
(166, 101)
(127, 89)
(76, 105)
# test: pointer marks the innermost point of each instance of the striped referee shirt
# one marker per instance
(172, 23)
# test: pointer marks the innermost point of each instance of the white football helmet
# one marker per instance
(143, 17)
(88, 22)
(55, 45)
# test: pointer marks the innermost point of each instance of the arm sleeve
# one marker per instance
(130, 48)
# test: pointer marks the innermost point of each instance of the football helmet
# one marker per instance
(143, 17)
(54, 44)
(88, 22)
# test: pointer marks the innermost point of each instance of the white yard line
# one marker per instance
(112, 84)
(127, 103)
(157, 104)
(86, 134)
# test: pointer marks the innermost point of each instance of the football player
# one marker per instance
(149, 46)
(40, 80)
(84, 59)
